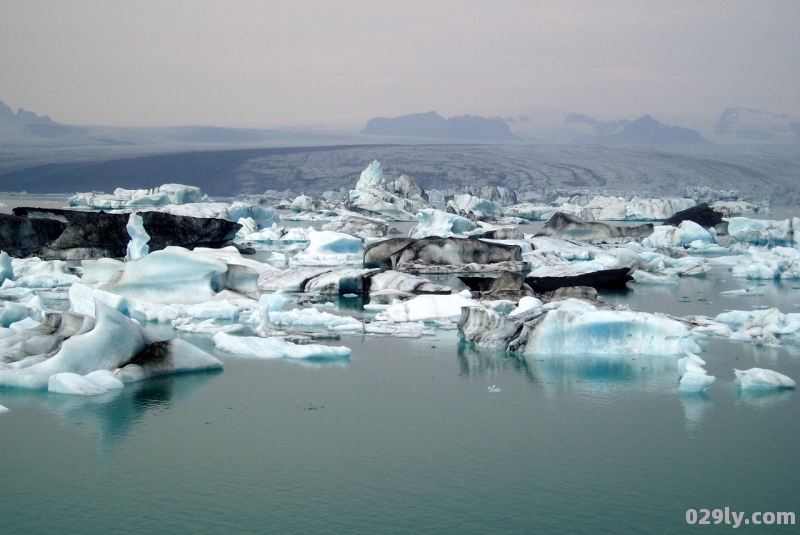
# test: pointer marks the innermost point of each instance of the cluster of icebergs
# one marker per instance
(279, 303)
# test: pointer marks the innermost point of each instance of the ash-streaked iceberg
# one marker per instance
(577, 327)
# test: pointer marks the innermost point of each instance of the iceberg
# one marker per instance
(693, 378)
(688, 234)
(311, 317)
(762, 232)
(303, 203)
(137, 247)
(762, 379)
(404, 282)
(473, 207)
(275, 348)
(758, 263)
(373, 196)
(357, 225)
(122, 198)
(428, 308)
(167, 357)
(767, 327)
(577, 327)
(328, 248)
(434, 222)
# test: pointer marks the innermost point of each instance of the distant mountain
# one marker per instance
(27, 122)
(752, 125)
(433, 125)
(22, 116)
(643, 131)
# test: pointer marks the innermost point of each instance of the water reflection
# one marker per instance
(114, 415)
(694, 407)
(478, 362)
(763, 399)
(605, 374)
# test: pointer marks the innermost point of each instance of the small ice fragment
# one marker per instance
(494, 390)
(3, 409)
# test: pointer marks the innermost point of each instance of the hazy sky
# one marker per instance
(338, 63)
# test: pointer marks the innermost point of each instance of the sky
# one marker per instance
(337, 63)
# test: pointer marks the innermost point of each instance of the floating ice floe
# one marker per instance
(3, 409)
(124, 198)
(328, 248)
(566, 226)
(762, 379)
(766, 327)
(357, 225)
(404, 282)
(543, 212)
(110, 342)
(693, 377)
(618, 209)
(392, 201)
(311, 317)
(688, 235)
(493, 389)
(276, 348)
(164, 284)
(525, 304)
(434, 222)
(758, 263)
(764, 232)
(473, 207)
(36, 273)
(429, 308)
(409, 329)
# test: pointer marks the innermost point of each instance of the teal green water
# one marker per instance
(406, 438)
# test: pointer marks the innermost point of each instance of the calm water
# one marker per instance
(406, 438)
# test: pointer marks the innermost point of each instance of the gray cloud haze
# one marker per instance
(338, 63)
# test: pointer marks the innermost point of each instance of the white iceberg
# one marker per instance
(762, 379)
(328, 248)
(443, 224)
(693, 377)
(428, 308)
(137, 247)
(276, 348)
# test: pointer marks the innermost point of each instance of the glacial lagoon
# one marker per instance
(418, 435)
(405, 437)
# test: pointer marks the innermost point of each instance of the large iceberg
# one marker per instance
(577, 327)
